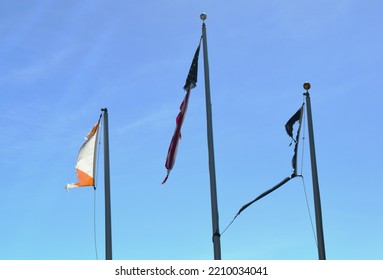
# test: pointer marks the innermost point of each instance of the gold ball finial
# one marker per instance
(203, 16)
(306, 86)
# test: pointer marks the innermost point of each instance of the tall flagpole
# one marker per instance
(108, 219)
(213, 187)
(314, 172)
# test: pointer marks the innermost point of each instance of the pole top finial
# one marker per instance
(203, 16)
(306, 86)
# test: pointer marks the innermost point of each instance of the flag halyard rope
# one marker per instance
(304, 184)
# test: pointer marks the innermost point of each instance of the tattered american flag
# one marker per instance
(190, 83)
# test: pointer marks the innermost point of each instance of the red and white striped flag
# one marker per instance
(191, 82)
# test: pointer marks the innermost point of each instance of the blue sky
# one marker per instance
(62, 61)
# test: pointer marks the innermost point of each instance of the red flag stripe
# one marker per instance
(172, 152)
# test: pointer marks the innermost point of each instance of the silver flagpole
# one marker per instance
(213, 187)
(314, 172)
(108, 219)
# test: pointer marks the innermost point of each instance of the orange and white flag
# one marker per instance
(85, 167)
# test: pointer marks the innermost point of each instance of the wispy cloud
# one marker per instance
(30, 73)
(155, 120)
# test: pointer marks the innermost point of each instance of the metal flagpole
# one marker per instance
(317, 203)
(108, 219)
(213, 187)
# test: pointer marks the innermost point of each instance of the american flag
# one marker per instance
(191, 82)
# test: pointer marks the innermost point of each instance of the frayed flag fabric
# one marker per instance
(191, 82)
(172, 152)
(297, 117)
(191, 79)
(85, 167)
(290, 123)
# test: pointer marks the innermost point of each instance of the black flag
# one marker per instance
(297, 117)
(289, 129)
(290, 123)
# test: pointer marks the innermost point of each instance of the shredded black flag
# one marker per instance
(280, 184)
(289, 129)
(290, 123)
(297, 117)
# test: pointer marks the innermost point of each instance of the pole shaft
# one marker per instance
(108, 219)
(213, 187)
(316, 193)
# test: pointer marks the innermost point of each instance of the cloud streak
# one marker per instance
(30, 73)
(155, 120)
